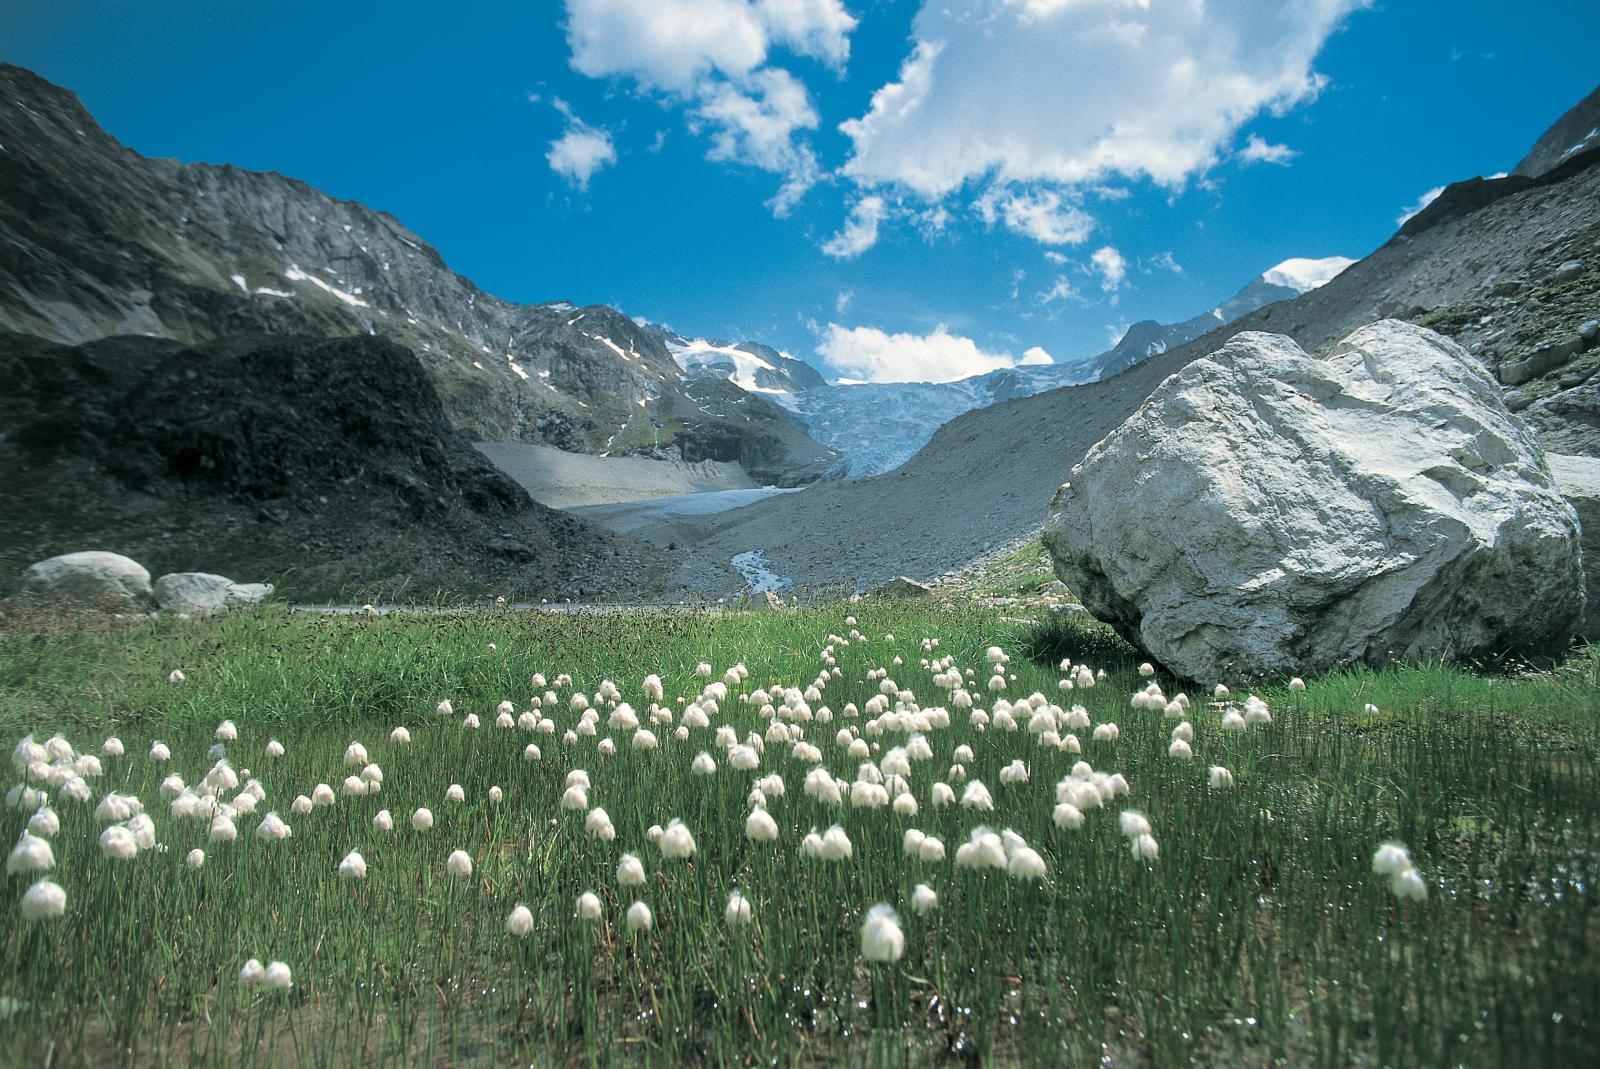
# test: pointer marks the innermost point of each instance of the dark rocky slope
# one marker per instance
(326, 466)
(97, 240)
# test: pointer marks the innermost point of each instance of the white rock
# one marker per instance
(93, 579)
(1269, 512)
(202, 593)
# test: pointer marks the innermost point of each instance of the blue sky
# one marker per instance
(703, 179)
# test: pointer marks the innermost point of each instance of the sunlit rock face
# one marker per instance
(1271, 512)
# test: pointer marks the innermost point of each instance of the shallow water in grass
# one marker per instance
(1259, 934)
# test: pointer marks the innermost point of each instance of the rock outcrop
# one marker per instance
(91, 579)
(1578, 480)
(205, 594)
(1267, 512)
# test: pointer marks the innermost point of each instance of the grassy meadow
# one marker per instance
(1258, 935)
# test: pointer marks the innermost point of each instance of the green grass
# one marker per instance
(1259, 936)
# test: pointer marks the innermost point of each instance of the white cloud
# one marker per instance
(819, 28)
(757, 127)
(1035, 357)
(1073, 93)
(1258, 151)
(867, 354)
(1043, 215)
(1165, 261)
(1420, 203)
(842, 299)
(1111, 267)
(860, 231)
(1059, 290)
(712, 57)
(665, 44)
(581, 151)
(1115, 332)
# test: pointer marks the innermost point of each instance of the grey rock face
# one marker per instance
(203, 594)
(1578, 480)
(89, 580)
(1268, 513)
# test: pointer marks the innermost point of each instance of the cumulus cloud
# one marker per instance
(860, 231)
(1416, 206)
(1257, 150)
(1035, 357)
(581, 151)
(1073, 93)
(867, 354)
(712, 57)
(1109, 264)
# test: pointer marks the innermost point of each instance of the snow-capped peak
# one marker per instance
(1303, 275)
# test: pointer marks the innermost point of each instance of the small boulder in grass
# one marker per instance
(89, 580)
(204, 594)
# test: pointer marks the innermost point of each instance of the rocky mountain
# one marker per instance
(326, 466)
(876, 427)
(97, 240)
(1576, 131)
(1509, 268)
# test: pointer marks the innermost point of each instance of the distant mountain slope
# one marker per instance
(324, 465)
(876, 427)
(1494, 276)
(96, 240)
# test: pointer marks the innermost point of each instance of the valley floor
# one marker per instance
(1257, 933)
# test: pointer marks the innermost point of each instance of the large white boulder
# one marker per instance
(1267, 512)
(1578, 480)
(92, 579)
(202, 593)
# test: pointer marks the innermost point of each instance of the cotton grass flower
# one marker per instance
(976, 796)
(160, 751)
(881, 937)
(274, 748)
(226, 731)
(983, 850)
(194, 859)
(31, 854)
(1015, 772)
(277, 977)
(455, 793)
(738, 912)
(630, 871)
(459, 864)
(301, 805)
(924, 900)
(1067, 816)
(252, 973)
(118, 843)
(589, 907)
(44, 823)
(222, 829)
(1026, 863)
(322, 795)
(112, 747)
(1180, 749)
(1297, 685)
(400, 735)
(1232, 721)
(353, 867)
(1409, 885)
(639, 918)
(677, 842)
(1145, 848)
(520, 923)
(597, 825)
(1219, 778)
(422, 819)
(759, 827)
